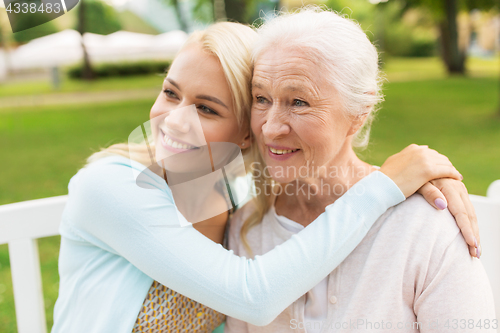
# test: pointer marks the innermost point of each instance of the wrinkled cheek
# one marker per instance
(309, 158)
(256, 124)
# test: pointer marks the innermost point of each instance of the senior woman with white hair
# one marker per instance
(315, 86)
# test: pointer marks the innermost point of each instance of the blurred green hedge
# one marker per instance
(122, 69)
(27, 34)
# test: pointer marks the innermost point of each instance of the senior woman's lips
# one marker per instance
(281, 153)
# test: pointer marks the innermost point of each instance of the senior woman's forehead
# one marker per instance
(283, 64)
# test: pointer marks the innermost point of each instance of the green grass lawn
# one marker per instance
(39, 87)
(455, 116)
(41, 150)
(410, 69)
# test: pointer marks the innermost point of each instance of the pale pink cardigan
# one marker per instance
(412, 267)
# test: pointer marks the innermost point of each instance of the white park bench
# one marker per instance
(21, 224)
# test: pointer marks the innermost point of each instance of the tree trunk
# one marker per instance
(180, 17)
(380, 33)
(235, 10)
(453, 58)
(87, 72)
(220, 11)
(5, 43)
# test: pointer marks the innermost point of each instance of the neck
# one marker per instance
(306, 198)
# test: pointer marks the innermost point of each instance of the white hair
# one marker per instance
(340, 47)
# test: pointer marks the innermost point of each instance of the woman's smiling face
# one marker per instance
(195, 78)
(297, 117)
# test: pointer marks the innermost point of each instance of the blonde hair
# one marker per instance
(232, 44)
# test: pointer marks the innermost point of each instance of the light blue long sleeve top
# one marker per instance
(112, 251)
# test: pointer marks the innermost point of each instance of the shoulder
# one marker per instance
(114, 172)
(116, 184)
(111, 167)
(242, 214)
(236, 223)
(416, 225)
(428, 219)
(254, 235)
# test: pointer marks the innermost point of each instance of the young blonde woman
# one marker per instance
(120, 273)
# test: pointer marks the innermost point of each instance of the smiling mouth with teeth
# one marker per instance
(176, 144)
(281, 151)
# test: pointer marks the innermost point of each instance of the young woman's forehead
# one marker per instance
(195, 70)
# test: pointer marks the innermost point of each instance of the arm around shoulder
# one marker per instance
(108, 209)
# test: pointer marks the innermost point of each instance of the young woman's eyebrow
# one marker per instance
(206, 97)
(173, 83)
(212, 99)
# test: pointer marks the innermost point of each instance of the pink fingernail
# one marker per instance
(440, 203)
(475, 242)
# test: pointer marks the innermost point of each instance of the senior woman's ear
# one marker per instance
(357, 123)
(360, 119)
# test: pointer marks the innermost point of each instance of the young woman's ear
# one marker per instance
(246, 142)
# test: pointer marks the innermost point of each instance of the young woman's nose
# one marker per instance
(178, 120)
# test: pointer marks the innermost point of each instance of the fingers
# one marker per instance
(472, 218)
(457, 208)
(433, 164)
(433, 196)
(413, 167)
(445, 171)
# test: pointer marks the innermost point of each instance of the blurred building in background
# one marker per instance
(150, 30)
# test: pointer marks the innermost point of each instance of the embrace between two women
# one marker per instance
(300, 91)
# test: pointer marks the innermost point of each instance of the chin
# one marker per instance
(278, 174)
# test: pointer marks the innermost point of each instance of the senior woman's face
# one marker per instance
(297, 117)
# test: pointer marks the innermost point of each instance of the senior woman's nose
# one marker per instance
(275, 124)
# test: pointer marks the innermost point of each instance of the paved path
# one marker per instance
(77, 98)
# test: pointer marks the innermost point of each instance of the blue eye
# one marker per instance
(206, 110)
(260, 99)
(298, 102)
(170, 93)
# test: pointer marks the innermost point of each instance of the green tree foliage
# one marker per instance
(35, 32)
(243, 11)
(178, 12)
(389, 29)
(96, 17)
(100, 18)
(445, 13)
